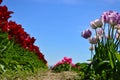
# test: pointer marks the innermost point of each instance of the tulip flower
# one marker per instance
(117, 36)
(93, 40)
(117, 26)
(91, 48)
(86, 34)
(99, 33)
(118, 31)
(104, 17)
(111, 17)
(96, 23)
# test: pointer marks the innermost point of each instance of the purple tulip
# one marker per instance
(104, 17)
(86, 34)
(100, 32)
(111, 17)
(93, 40)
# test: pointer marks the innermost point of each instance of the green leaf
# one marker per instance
(101, 66)
(117, 56)
(3, 66)
(31, 67)
(112, 60)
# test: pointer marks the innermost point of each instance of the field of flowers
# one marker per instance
(21, 59)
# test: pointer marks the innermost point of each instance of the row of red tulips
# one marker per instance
(17, 33)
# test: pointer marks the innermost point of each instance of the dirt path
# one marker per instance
(49, 75)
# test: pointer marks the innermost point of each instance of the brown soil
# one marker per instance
(49, 75)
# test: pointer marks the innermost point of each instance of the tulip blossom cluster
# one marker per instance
(107, 33)
(65, 60)
(105, 45)
(17, 33)
(110, 18)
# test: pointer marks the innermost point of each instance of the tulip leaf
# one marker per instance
(117, 56)
(101, 66)
(111, 60)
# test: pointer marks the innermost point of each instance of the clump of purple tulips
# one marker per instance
(105, 46)
(106, 27)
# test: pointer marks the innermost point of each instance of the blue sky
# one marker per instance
(57, 24)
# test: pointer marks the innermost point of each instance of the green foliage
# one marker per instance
(66, 67)
(62, 67)
(16, 59)
(78, 67)
(104, 65)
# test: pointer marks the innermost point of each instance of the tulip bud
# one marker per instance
(104, 17)
(117, 26)
(118, 31)
(117, 36)
(86, 34)
(93, 40)
(99, 33)
(96, 23)
(91, 48)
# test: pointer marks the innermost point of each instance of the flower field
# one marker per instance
(21, 59)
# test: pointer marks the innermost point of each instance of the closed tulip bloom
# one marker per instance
(96, 23)
(93, 40)
(91, 48)
(105, 17)
(86, 34)
(113, 18)
(117, 26)
(100, 33)
(118, 36)
(118, 31)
